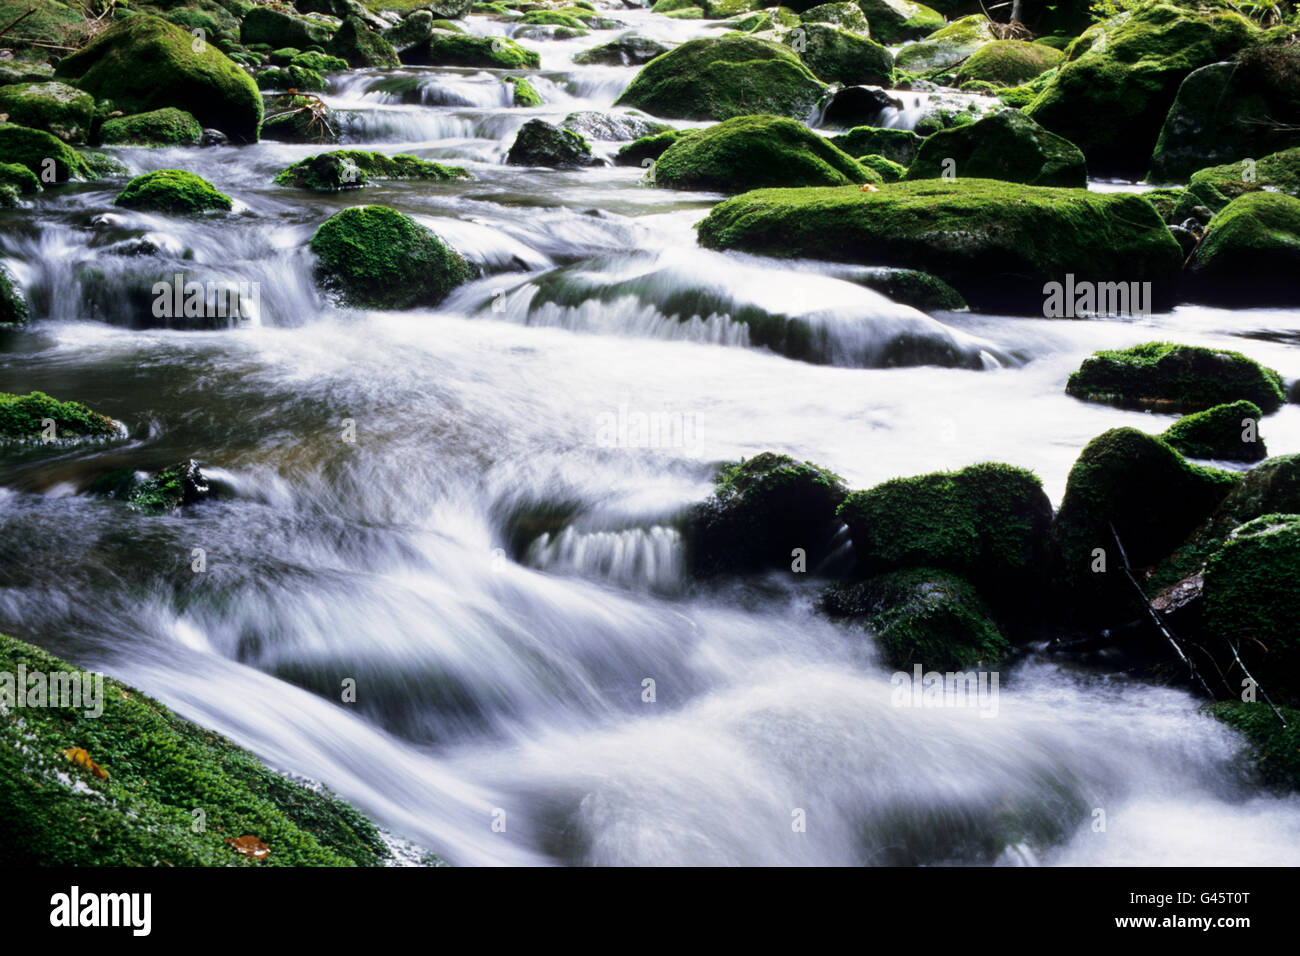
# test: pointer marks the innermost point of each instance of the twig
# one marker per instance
(18, 21)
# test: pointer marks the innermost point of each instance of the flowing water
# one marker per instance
(493, 558)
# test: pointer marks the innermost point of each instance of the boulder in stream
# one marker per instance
(897, 21)
(1215, 186)
(1006, 145)
(164, 127)
(839, 56)
(172, 191)
(946, 47)
(1228, 432)
(460, 49)
(23, 418)
(59, 109)
(1250, 253)
(1008, 63)
(278, 29)
(898, 145)
(45, 156)
(625, 51)
(352, 168)
(538, 143)
(361, 46)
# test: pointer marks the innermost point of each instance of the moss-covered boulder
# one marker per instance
(762, 510)
(57, 108)
(613, 127)
(1274, 747)
(164, 127)
(1008, 63)
(946, 47)
(840, 56)
(460, 49)
(988, 522)
(172, 191)
(361, 46)
(625, 51)
(722, 78)
(299, 118)
(1007, 145)
(922, 616)
(523, 93)
(897, 145)
(291, 78)
(538, 143)
(1232, 110)
(848, 16)
(897, 21)
(639, 152)
(116, 781)
(13, 305)
(1216, 186)
(45, 156)
(279, 29)
(1111, 96)
(1250, 254)
(416, 28)
(170, 489)
(751, 152)
(376, 257)
(888, 170)
(1151, 495)
(920, 290)
(144, 63)
(997, 243)
(1170, 377)
(21, 180)
(319, 62)
(1228, 432)
(23, 417)
(352, 168)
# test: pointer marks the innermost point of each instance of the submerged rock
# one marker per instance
(376, 257)
(538, 143)
(1229, 432)
(352, 168)
(612, 127)
(172, 488)
(172, 191)
(1250, 253)
(1175, 377)
(750, 152)
(718, 79)
(1007, 145)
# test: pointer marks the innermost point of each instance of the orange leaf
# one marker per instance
(250, 846)
(82, 759)
(868, 188)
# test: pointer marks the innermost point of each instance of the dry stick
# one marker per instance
(18, 21)
(1269, 700)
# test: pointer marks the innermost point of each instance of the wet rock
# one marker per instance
(279, 29)
(1228, 432)
(839, 56)
(539, 143)
(858, 106)
(1008, 63)
(896, 145)
(613, 127)
(897, 21)
(165, 127)
(1250, 254)
(625, 51)
(361, 46)
(172, 191)
(1007, 145)
(23, 419)
(56, 108)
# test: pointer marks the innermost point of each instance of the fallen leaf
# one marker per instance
(82, 759)
(250, 846)
(868, 188)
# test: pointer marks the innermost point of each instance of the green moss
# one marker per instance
(19, 178)
(1250, 254)
(897, 21)
(1111, 96)
(35, 149)
(319, 62)
(452, 49)
(345, 168)
(299, 119)
(1216, 186)
(888, 170)
(1175, 378)
(144, 63)
(638, 151)
(750, 152)
(553, 18)
(158, 770)
(279, 29)
(57, 108)
(1166, 202)
(172, 191)
(291, 78)
(838, 56)
(996, 243)
(1228, 432)
(625, 51)
(13, 306)
(539, 143)
(897, 145)
(988, 522)
(722, 78)
(361, 47)
(1274, 749)
(1018, 97)
(761, 510)
(50, 21)
(921, 616)
(21, 418)
(165, 127)
(1007, 145)
(1152, 495)
(524, 95)
(1009, 62)
(920, 290)
(846, 15)
(376, 257)
(946, 47)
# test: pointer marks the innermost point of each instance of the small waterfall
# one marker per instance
(635, 557)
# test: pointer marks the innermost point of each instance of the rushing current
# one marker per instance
(470, 513)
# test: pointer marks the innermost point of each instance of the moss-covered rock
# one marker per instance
(121, 787)
(22, 419)
(376, 257)
(1229, 432)
(279, 29)
(299, 118)
(45, 156)
(996, 243)
(291, 78)
(361, 46)
(1250, 254)
(1274, 748)
(168, 490)
(921, 616)
(638, 152)
(849, 16)
(1008, 63)
(625, 51)
(13, 305)
(946, 47)
(1151, 495)
(1230, 111)
(988, 522)
(897, 21)
(897, 145)
(840, 56)
(722, 78)
(751, 152)
(761, 510)
(1007, 145)
(319, 62)
(144, 63)
(172, 191)
(1216, 186)
(538, 143)
(523, 94)
(1111, 96)
(350, 168)
(613, 127)
(920, 290)
(59, 109)
(889, 171)
(164, 127)
(459, 49)
(1171, 377)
